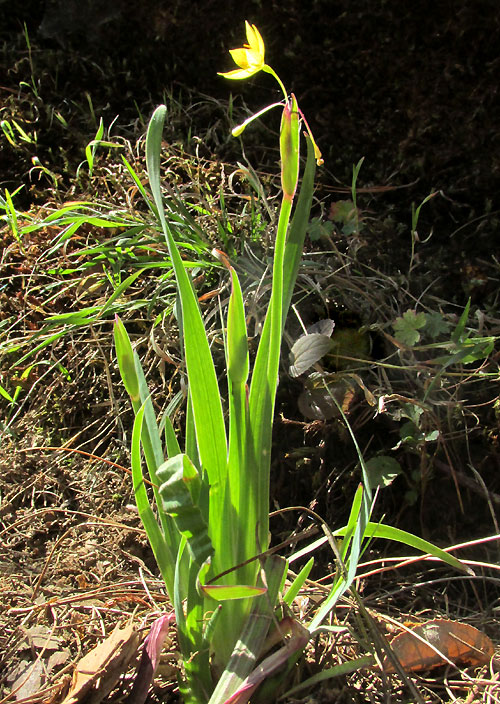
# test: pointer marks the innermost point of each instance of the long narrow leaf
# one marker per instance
(204, 390)
(343, 669)
(119, 291)
(380, 530)
(298, 582)
(155, 536)
(139, 185)
(263, 386)
(352, 522)
(153, 453)
(240, 505)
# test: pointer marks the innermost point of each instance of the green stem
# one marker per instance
(268, 69)
(275, 313)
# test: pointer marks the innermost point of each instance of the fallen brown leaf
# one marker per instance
(437, 642)
(103, 666)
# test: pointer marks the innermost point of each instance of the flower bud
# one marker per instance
(289, 147)
(126, 361)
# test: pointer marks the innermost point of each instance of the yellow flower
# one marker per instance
(250, 57)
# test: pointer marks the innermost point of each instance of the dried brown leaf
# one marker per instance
(437, 642)
(103, 666)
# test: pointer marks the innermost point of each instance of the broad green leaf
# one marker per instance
(180, 487)
(436, 325)
(382, 470)
(406, 328)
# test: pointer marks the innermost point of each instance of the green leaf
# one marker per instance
(406, 327)
(119, 291)
(298, 228)
(253, 635)
(382, 470)
(318, 229)
(298, 582)
(409, 431)
(140, 186)
(345, 213)
(341, 670)
(458, 333)
(353, 521)
(159, 546)
(231, 592)
(240, 504)
(203, 387)
(379, 530)
(474, 349)
(6, 395)
(263, 386)
(180, 491)
(237, 343)
(436, 325)
(126, 361)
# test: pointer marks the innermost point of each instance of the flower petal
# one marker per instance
(255, 40)
(250, 57)
(240, 57)
(240, 73)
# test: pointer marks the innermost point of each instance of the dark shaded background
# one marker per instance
(410, 86)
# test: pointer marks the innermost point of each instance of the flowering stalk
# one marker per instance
(250, 58)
